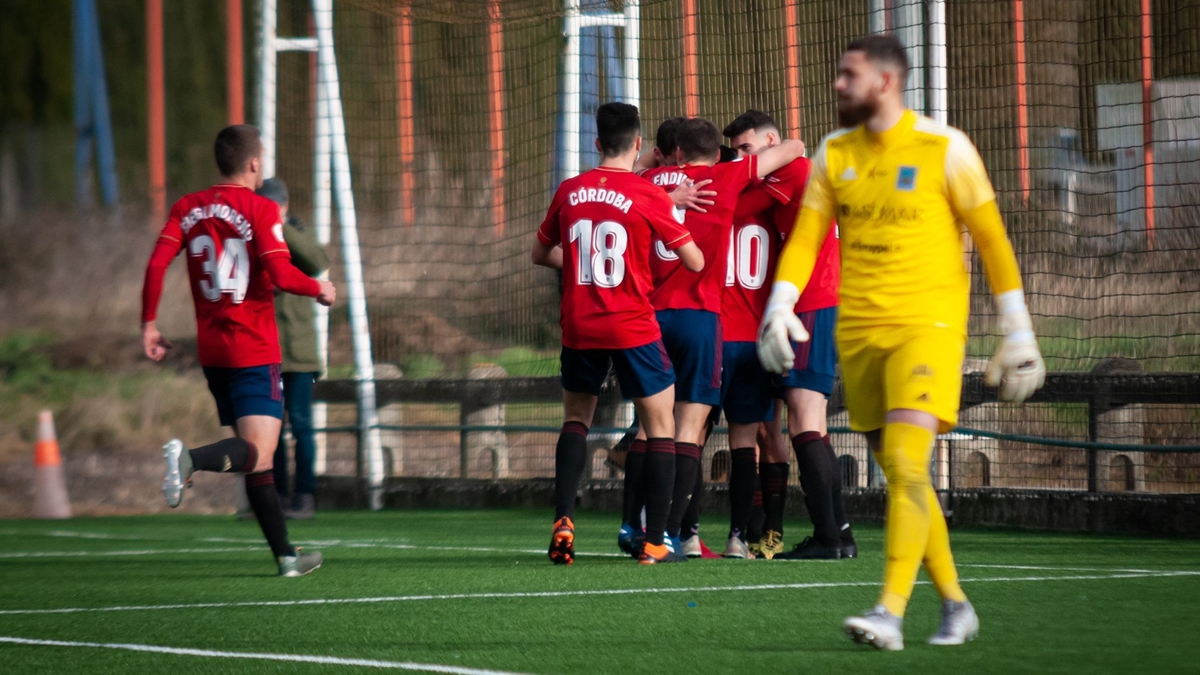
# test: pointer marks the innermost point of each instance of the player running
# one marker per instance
(765, 210)
(236, 256)
(899, 184)
(688, 303)
(604, 220)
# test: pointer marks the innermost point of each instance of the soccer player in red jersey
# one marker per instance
(688, 303)
(236, 256)
(807, 387)
(598, 230)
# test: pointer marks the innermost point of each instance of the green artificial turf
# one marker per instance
(1056, 603)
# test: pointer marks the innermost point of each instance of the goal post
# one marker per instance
(332, 185)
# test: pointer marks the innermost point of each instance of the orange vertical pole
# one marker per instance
(1022, 101)
(691, 65)
(156, 130)
(1148, 121)
(791, 31)
(404, 112)
(496, 113)
(235, 82)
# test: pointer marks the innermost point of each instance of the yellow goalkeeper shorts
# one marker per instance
(909, 367)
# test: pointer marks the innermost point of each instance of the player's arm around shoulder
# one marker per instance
(667, 221)
(773, 159)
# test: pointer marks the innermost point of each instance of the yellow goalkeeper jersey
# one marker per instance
(898, 198)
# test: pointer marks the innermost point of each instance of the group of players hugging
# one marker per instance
(707, 279)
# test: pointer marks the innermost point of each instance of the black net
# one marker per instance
(458, 136)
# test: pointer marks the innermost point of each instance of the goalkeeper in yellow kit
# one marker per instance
(899, 185)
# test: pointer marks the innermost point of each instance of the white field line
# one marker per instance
(90, 554)
(559, 594)
(257, 656)
(343, 543)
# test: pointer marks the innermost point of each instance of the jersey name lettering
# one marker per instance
(611, 197)
(220, 212)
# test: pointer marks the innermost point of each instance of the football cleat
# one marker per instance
(630, 539)
(562, 542)
(754, 548)
(849, 547)
(179, 471)
(300, 564)
(692, 546)
(736, 548)
(673, 543)
(770, 545)
(706, 553)
(811, 549)
(877, 627)
(653, 554)
(960, 624)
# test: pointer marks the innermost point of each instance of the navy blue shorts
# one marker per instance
(641, 371)
(693, 341)
(241, 392)
(816, 360)
(747, 391)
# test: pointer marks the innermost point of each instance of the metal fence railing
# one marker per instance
(1125, 432)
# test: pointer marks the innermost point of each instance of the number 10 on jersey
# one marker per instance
(599, 252)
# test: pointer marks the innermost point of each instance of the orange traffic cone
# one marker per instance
(50, 495)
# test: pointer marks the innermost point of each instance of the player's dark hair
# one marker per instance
(235, 147)
(698, 138)
(884, 50)
(755, 120)
(617, 127)
(664, 139)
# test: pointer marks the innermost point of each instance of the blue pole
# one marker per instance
(614, 78)
(589, 62)
(79, 75)
(102, 121)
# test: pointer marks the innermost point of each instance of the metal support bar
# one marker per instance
(370, 446)
(574, 21)
(939, 83)
(296, 44)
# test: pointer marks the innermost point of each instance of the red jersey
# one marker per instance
(605, 220)
(674, 286)
(754, 247)
(227, 231)
(787, 188)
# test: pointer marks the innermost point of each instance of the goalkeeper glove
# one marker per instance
(780, 326)
(1017, 368)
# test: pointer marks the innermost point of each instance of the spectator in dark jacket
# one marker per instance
(301, 363)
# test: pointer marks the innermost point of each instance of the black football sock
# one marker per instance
(264, 501)
(570, 456)
(687, 463)
(774, 494)
(660, 486)
(839, 507)
(742, 472)
(691, 517)
(232, 455)
(817, 481)
(757, 517)
(635, 483)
